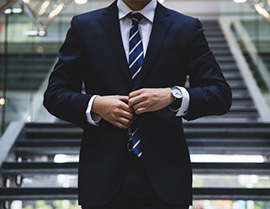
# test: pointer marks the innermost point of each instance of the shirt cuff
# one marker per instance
(92, 118)
(183, 110)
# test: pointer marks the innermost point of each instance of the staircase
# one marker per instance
(32, 163)
(243, 108)
(27, 71)
(25, 74)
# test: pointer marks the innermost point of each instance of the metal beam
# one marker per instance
(33, 17)
(7, 5)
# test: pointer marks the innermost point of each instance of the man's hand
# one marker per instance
(114, 109)
(148, 100)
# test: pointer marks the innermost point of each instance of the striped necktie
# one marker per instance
(135, 65)
(135, 48)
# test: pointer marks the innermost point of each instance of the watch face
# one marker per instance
(176, 92)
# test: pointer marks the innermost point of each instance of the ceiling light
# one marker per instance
(2, 101)
(13, 11)
(240, 1)
(80, 1)
(8, 11)
(35, 33)
(17, 10)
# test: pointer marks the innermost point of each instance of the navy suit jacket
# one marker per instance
(93, 54)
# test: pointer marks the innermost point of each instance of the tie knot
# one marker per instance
(136, 18)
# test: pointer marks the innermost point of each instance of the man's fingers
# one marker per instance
(123, 99)
(135, 93)
(127, 108)
(136, 99)
(139, 105)
(128, 115)
(121, 125)
(140, 108)
(123, 122)
(114, 109)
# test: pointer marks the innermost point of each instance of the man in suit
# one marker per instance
(155, 171)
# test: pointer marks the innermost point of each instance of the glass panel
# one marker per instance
(45, 204)
(197, 204)
(231, 181)
(251, 27)
(230, 204)
(27, 59)
(59, 180)
(228, 158)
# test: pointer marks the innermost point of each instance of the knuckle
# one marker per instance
(116, 112)
(144, 96)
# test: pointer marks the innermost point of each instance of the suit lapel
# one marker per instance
(160, 27)
(111, 26)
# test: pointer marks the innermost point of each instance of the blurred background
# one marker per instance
(39, 153)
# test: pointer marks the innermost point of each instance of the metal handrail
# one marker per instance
(33, 17)
(41, 28)
(55, 12)
(261, 10)
(254, 89)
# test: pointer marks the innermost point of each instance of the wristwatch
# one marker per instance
(178, 96)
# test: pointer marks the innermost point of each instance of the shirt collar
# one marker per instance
(148, 11)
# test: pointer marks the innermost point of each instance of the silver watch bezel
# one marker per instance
(176, 92)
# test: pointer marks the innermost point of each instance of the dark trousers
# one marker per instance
(136, 191)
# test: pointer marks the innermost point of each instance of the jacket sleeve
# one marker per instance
(209, 92)
(63, 97)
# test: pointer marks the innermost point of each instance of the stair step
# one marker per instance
(15, 76)
(71, 193)
(219, 46)
(64, 142)
(228, 60)
(212, 33)
(217, 138)
(27, 71)
(72, 168)
(216, 39)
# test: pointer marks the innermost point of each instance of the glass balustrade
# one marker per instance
(31, 32)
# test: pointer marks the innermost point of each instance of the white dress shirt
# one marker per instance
(145, 28)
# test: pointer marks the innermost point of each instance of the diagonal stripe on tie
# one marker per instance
(134, 62)
(136, 144)
(135, 74)
(135, 66)
(135, 47)
(133, 35)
